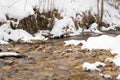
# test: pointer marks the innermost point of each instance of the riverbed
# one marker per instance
(52, 60)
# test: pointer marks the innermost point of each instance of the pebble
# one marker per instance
(1, 63)
(67, 54)
(9, 62)
(74, 63)
(1, 50)
(102, 58)
(6, 68)
(56, 62)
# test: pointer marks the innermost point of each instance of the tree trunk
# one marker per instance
(98, 12)
(102, 10)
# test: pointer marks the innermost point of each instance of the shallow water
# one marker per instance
(51, 60)
(85, 36)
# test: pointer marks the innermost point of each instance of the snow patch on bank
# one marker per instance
(6, 34)
(92, 66)
(116, 60)
(68, 9)
(16, 9)
(105, 76)
(74, 42)
(102, 42)
(118, 77)
(8, 54)
(64, 27)
(3, 42)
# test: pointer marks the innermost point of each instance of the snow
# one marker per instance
(101, 42)
(18, 34)
(93, 28)
(65, 27)
(3, 42)
(92, 66)
(8, 54)
(74, 42)
(68, 9)
(111, 16)
(118, 77)
(16, 9)
(115, 60)
(105, 76)
(40, 35)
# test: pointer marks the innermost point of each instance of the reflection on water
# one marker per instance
(85, 36)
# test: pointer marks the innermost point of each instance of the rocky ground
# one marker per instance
(53, 61)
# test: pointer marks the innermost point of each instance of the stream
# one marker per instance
(51, 60)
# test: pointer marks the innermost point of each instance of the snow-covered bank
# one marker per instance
(76, 9)
(6, 34)
(72, 12)
(105, 42)
(65, 27)
(16, 9)
(92, 67)
(101, 42)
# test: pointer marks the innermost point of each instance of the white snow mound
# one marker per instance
(92, 67)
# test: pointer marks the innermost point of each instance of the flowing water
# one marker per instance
(51, 60)
(85, 36)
